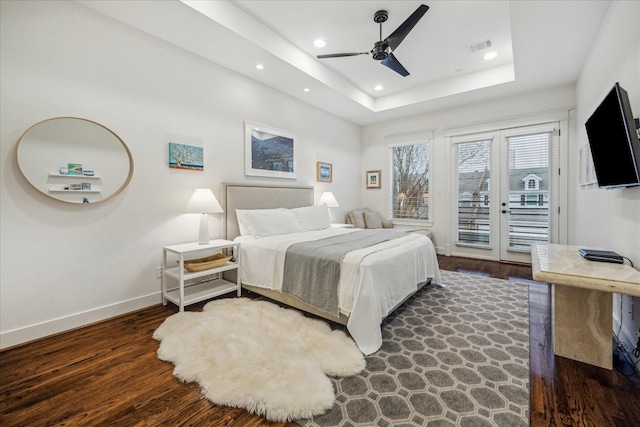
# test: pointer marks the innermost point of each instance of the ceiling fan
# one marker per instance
(383, 49)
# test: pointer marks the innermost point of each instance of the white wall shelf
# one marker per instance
(59, 175)
(58, 190)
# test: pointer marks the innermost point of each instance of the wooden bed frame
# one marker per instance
(257, 196)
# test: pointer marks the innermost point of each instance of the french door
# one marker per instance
(505, 192)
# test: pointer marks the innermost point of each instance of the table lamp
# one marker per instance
(328, 199)
(204, 202)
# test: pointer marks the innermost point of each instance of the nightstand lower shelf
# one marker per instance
(201, 291)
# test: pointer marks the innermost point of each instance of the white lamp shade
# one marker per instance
(328, 199)
(203, 201)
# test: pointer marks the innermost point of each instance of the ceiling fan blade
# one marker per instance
(340, 55)
(401, 32)
(392, 63)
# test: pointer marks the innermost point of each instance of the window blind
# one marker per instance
(529, 183)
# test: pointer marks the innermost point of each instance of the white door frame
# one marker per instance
(559, 193)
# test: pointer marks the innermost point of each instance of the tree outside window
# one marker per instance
(410, 181)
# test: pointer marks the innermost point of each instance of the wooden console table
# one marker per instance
(583, 300)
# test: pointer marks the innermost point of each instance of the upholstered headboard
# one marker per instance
(259, 196)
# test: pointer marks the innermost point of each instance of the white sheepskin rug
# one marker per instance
(258, 356)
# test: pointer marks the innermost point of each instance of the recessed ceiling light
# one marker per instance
(490, 55)
(260, 66)
(319, 43)
(306, 89)
(378, 87)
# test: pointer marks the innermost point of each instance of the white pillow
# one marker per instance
(372, 219)
(272, 222)
(357, 218)
(313, 217)
(243, 222)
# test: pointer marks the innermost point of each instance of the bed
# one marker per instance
(373, 280)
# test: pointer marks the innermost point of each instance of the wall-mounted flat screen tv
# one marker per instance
(614, 143)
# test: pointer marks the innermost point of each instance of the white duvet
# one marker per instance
(373, 280)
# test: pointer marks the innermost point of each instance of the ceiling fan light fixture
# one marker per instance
(379, 51)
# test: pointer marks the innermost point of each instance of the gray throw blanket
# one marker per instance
(312, 269)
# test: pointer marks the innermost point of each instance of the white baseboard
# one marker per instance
(61, 324)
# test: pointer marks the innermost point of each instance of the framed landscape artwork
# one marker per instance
(324, 172)
(373, 179)
(186, 157)
(269, 152)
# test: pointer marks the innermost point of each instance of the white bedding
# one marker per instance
(373, 280)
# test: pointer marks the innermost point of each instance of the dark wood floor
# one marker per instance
(108, 374)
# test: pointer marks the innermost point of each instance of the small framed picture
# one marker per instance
(324, 172)
(373, 179)
(183, 156)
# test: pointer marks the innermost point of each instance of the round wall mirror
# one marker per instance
(74, 160)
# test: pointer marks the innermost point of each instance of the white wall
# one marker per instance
(511, 111)
(610, 218)
(64, 266)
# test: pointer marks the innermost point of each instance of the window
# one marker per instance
(409, 181)
(531, 181)
(466, 196)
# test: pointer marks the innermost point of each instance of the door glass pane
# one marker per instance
(528, 213)
(474, 172)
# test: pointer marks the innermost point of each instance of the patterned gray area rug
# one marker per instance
(451, 356)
